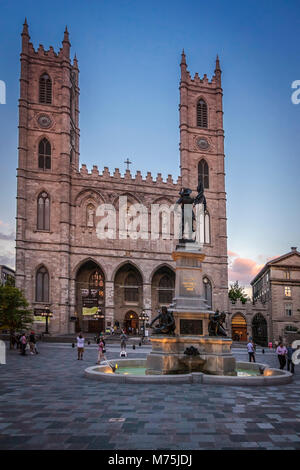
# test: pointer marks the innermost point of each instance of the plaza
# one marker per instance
(47, 403)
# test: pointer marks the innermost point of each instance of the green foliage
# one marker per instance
(10, 281)
(236, 292)
(14, 312)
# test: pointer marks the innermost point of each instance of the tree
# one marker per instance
(237, 292)
(14, 312)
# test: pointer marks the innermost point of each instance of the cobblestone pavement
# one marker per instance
(46, 402)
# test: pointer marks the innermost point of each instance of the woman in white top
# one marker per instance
(80, 346)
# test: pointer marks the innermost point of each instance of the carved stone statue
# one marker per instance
(215, 325)
(166, 322)
(90, 216)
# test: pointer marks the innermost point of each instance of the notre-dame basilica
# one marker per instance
(61, 263)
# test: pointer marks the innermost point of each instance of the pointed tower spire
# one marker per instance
(75, 62)
(218, 70)
(66, 43)
(25, 37)
(217, 63)
(183, 65)
(25, 28)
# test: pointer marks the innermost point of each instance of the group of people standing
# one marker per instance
(24, 343)
(101, 346)
(284, 354)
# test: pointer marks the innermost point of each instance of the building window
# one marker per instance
(131, 288)
(96, 284)
(287, 275)
(45, 91)
(43, 212)
(42, 285)
(203, 173)
(204, 228)
(287, 291)
(201, 113)
(288, 308)
(165, 290)
(44, 155)
(207, 291)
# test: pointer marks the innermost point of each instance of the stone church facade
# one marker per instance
(60, 261)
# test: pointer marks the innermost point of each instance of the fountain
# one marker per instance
(189, 341)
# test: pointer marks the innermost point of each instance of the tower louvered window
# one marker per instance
(203, 174)
(44, 154)
(45, 92)
(202, 114)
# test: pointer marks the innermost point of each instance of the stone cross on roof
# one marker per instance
(128, 162)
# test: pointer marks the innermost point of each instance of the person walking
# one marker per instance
(251, 351)
(101, 351)
(123, 339)
(23, 342)
(281, 352)
(32, 342)
(80, 346)
(290, 364)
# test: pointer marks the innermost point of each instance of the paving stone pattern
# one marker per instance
(46, 402)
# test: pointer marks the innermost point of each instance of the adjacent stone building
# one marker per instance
(274, 312)
(61, 262)
(6, 274)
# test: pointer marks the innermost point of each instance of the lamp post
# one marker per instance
(47, 314)
(143, 317)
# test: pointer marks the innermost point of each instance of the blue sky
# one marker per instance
(129, 54)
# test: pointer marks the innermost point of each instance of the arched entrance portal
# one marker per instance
(131, 323)
(260, 330)
(238, 328)
(128, 295)
(90, 296)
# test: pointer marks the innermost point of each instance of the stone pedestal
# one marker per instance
(191, 314)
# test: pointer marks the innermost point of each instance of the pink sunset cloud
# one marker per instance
(242, 269)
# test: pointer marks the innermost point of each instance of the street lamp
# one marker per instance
(47, 314)
(144, 318)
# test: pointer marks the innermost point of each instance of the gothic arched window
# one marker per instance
(43, 212)
(165, 290)
(42, 285)
(44, 154)
(202, 113)
(204, 228)
(207, 291)
(203, 173)
(45, 89)
(131, 288)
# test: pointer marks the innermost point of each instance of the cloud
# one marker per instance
(242, 269)
(8, 260)
(4, 236)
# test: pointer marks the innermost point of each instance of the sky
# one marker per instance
(129, 54)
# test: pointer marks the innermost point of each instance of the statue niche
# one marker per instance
(90, 216)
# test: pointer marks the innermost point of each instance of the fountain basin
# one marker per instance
(129, 371)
